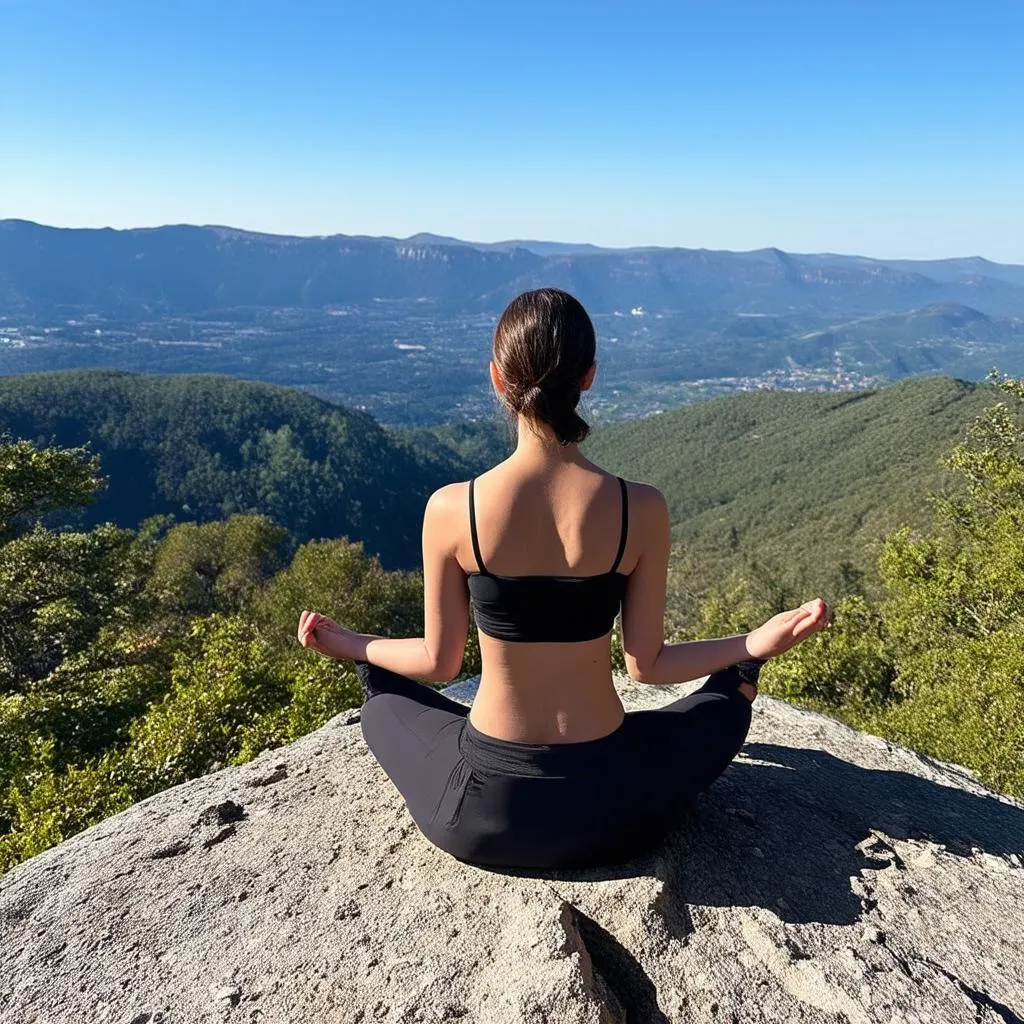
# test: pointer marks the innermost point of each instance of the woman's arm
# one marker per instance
(648, 658)
(437, 655)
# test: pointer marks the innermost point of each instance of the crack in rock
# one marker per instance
(172, 849)
(981, 1000)
(612, 972)
(670, 904)
(276, 774)
(218, 837)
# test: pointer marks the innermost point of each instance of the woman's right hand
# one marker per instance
(326, 636)
(787, 629)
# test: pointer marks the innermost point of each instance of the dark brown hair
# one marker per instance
(543, 344)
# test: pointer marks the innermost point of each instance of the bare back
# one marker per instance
(546, 520)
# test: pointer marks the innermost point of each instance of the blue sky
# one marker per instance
(890, 129)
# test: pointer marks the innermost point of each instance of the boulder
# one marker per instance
(827, 876)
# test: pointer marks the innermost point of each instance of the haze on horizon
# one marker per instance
(891, 131)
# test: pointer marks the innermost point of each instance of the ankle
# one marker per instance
(749, 669)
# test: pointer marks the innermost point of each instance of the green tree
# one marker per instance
(49, 806)
(338, 578)
(955, 607)
(73, 659)
(938, 663)
(56, 590)
(223, 679)
(200, 568)
(35, 481)
(57, 587)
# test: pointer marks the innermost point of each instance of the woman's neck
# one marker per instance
(538, 446)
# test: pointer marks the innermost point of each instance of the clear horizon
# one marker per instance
(887, 131)
(499, 241)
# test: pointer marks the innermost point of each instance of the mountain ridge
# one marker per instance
(192, 268)
(431, 238)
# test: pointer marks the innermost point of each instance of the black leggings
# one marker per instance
(494, 802)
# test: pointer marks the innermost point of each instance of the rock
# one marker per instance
(226, 994)
(827, 876)
(222, 813)
(276, 774)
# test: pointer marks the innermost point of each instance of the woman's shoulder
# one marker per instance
(648, 511)
(455, 496)
(645, 497)
(449, 497)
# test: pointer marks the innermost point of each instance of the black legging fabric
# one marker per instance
(503, 804)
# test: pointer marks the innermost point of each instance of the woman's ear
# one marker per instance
(499, 384)
(588, 378)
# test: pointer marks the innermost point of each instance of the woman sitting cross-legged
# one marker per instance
(546, 769)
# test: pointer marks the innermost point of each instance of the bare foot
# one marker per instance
(748, 691)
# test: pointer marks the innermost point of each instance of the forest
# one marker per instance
(792, 486)
(133, 660)
(794, 492)
(135, 657)
(203, 446)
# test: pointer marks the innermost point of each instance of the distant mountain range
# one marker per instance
(189, 270)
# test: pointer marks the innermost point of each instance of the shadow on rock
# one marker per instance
(789, 833)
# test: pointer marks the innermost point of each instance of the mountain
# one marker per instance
(186, 269)
(797, 484)
(801, 482)
(536, 247)
(189, 270)
(827, 876)
(971, 267)
(944, 337)
(202, 446)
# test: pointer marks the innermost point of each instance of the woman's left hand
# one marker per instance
(787, 629)
(325, 636)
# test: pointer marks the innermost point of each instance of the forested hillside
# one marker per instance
(937, 661)
(202, 447)
(796, 491)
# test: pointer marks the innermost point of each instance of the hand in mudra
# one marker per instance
(787, 629)
(324, 635)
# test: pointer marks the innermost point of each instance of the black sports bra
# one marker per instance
(544, 609)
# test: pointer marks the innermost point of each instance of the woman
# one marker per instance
(547, 770)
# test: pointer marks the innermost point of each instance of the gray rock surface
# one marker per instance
(827, 876)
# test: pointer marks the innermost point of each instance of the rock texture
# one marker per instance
(828, 876)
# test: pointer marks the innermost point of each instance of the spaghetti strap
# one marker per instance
(625, 525)
(472, 531)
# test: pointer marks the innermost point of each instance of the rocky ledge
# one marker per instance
(827, 876)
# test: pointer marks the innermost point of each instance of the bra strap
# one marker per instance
(472, 531)
(625, 525)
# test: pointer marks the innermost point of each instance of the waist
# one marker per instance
(554, 694)
(490, 753)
